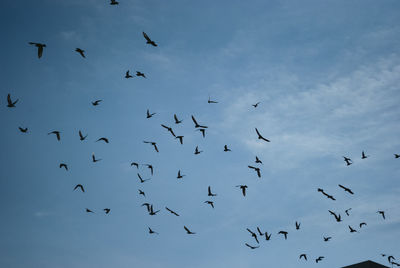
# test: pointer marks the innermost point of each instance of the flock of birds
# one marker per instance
(256, 235)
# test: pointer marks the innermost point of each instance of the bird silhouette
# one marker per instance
(114, 2)
(267, 237)
(180, 139)
(147, 206)
(396, 155)
(81, 137)
(62, 165)
(362, 224)
(326, 239)
(107, 210)
(255, 105)
(140, 74)
(103, 139)
(390, 258)
(23, 130)
(382, 213)
(57, 133)
(211, 203)
(135, 164)
(209, 192)
(141, 192)
(89, 211)
(140, 178)
(226, 149)
(346, 189)
(258, 161)
(188, 231)
(363, 156)
(169, 129)
(148, 40)
(259, 231)
(172, 212)
(152, 212)
(196, 125)
(196, 151)
(252, 247)
(347, 160)
(320, 258)
(303, 256)
(253, 235)
(148, 114)
(338, 218)
(297, 225)
(180, 176)
(284, 233)
(96, 102)
(151, 168)
(243, 187)
(261, 137)
(203, 131)
(352, 230)
(256, 169)
(177, 121)
(94, 160)
(40, 48)
(327, 195)
(151, 231)
(152, 143)
(347, 211)
(80, 187)
(128, 75)
(211, 101)
(81, 52)
(10, 103)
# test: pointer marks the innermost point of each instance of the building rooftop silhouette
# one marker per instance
(366, 264)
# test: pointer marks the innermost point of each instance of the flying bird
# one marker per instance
(57, 133)
(127, 75)
(196, 151)
(135, 164)
(152, 212)
(347, 160)
(81, 137)
(352, 230)
(255, 105)
(89, 211)
(80, 187)
(261, 137)
(326, 239)
(209, 192)
(140, 178)
(107, 210)
(151, 231)
(259, 231)
(180, 139)
(243, 187)
(382, 213)
(188, 231)
(80, 51)
(267, 237)
(396, 155)
(258, 161)
(149, 41)
(147, 206)
(363, 156)
(148, 114)
(346, 189)
(11, 103)
(347, 211)
(226, 149)
(172, 212)
(140, 74)
(142, 193)
(203, 131)
(196, 125)
(94, 160)
(320, 258)
(169, 129)
(390, 258)
(297, 225)
(151, 168)
(177, 121)
(62, 165)
(284, 233)
(211, 101)
(114, 2)
(23, 130)
(97, 102)
(40, 48)
(103, 139)
(253, 235)
(362, 224)
(211, 203)
(303, 256)
(338, 218)
(252, 247)
(180, 176)
(152, 143)
(256, 169)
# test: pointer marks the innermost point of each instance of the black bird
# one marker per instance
(11, 103)
(95, 103)
(203, 131)
(326, 239)
(80, 51)
(169, 129)
(135, 164)
(382, 213)
(396, 155)
(327, 195)
(177, 121)
(188, 231)
(151, 231)
(259, 231)
(140, 178)
(147, 206)
(23, 130)
(297, 225)
(211, 101)
(253, 235)
(258, 161)
(211, 203)
(255, 105)
(142, 193)
(319, 259)
(256, 169)
(152, 143)
(261, 137)
(209, 192)
(391, 258)
(149, 41)
(114, 2)
(267, 237)
(347, 160)
(363, 156)
(172, 212)
(62, 165)
(352, 230)
(103, 139)
(284, 233)
(140, 74)
(226, 149)
(94, 160)
(303, 256)
(40, 48)
(79, 186)
(148, 114)
(196, 151)
(362, 224)
(127, 75)
(337, 217)
(89, 211)
(180, 176)
(180, 139)
(196, 125)
(57, 133)
(151, 168)
(347, 211)
(243, 187)
(81, 137)
(252, 247)
(152, 212)
(346, 189)
(107, 210)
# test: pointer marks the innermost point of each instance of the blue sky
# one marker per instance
(327, 74)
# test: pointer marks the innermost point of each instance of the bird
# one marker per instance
(396, 155)
(148, 114)
(346, 189)
(252, 247)
(94, 160)
(135, 164)
(284, 233)
(196, 125)
(96, 102)
(363, 156)
(303, 256)
(362, 224)
(103, 139)
(40, 48)
(140, 178)
(142, 193)
(327, 195)
(151, 231)
(149, 41)
(243, 187)
(261, 137)
(140, 74)
(352, 230)
(211, 203)
(188, 231)
(81, 137)
(297, 225)
(107, 210)
(23, 130)
(180, 176)
(326, 239)
(57, 133)
(172, 212)
(337, 217)
(80, 187)
(196, 151)
(210, 193)
(80, 51)
(177, 121)
(62, 165)
(382, 213)
(226, 149)
(89, 211)
(255, 105)
(147, 206)
(169, 129)
(10, 103)
(258, 161)
(211, 101)
(347, 211)
(347, 160)
(127, 75)
(151, 168)
(256, 169)
(152, 143)
(152, 212)
(203, 131)
(259, 231)
(320, 258)
(390, 258)
(180, 139)
(253, 235)
(267, 237)
(114, 2)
